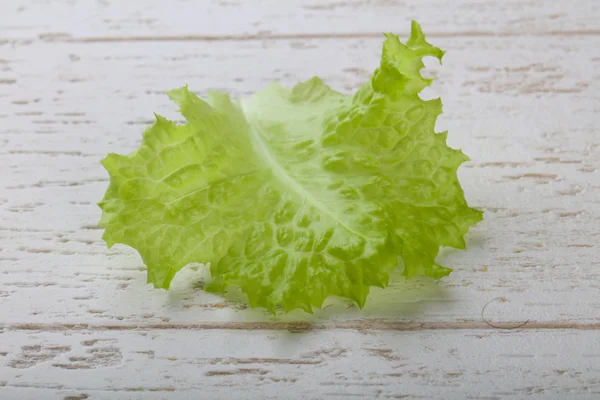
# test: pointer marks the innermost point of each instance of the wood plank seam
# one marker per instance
(358, 325)
(67, 38)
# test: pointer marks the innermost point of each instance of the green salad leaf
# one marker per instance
(298, 194)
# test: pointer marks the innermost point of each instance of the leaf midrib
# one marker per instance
(283, 176)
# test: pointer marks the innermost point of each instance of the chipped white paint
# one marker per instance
(520, 86)
(237, 19)
(226, 364)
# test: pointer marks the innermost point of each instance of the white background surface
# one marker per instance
(521, 87)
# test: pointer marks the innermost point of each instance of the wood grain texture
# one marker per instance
(242, 20)
(158, 364)
(520, 87)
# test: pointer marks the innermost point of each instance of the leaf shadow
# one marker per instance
(402, 300)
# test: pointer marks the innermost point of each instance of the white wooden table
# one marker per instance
(521, 88)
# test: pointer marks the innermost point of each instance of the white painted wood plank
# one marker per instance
(524, 109)
(178, 364)
(60, 20)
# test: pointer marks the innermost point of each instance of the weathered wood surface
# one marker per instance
(111, 20)
(520, 85)
(336, 364)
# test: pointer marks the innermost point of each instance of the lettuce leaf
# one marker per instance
(298, 194)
